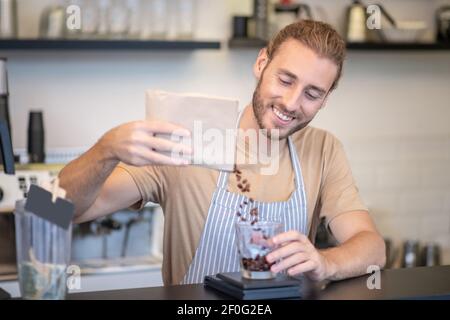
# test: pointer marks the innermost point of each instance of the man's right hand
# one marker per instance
(135, 143)
(97, 187)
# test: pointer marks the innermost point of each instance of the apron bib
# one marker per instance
(217, 250)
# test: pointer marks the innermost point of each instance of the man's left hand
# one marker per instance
(298, 255)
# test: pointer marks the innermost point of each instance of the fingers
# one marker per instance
(295, 251)
(286, 251)
(307, 266)
(290, 261)
(134, 143)
(160, 144)
(290, 236)
(165, 143)
(167, 127)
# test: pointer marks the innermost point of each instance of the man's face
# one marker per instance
(291, 88)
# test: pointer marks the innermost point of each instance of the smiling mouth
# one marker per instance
(284, 118)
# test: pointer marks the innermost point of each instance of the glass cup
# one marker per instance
(159, 18)
(185, 12)
(43, 253)
(118, 18)
(253, 247)
(90, 16)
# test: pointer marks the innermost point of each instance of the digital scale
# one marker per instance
(280, 287)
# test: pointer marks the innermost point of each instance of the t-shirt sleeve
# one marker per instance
(149, 181)
(339, 191)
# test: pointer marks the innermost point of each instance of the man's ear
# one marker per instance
(260, 63)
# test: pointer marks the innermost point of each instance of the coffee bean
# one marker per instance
(259, 263)
(244, 187)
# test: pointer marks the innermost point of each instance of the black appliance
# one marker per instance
(443, 24)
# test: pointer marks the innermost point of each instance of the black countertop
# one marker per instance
(411, 283)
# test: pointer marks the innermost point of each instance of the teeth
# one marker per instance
(281, 115)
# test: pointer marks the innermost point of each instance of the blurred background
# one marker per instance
(391, 109)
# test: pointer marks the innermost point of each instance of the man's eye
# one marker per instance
(311, 97)
(285, 82)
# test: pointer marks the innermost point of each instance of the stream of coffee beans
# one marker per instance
(259, 263)
(244, 187)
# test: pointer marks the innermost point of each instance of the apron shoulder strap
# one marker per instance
(315, 220)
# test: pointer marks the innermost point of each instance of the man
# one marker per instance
(295, 73)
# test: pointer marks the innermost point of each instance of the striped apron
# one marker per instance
(217, 250)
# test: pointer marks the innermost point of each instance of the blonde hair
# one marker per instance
(318, 36)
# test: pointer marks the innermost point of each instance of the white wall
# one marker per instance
(391, 110)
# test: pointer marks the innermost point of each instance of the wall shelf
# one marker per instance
(258, 43)
(246, 43)
(398, 46)
(80, 44)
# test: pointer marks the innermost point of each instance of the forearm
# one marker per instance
(352, 257)
(83, 177)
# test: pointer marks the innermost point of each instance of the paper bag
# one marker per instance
(212, 122)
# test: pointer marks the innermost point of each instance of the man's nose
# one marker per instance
(291, 99)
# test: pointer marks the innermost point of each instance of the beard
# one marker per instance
(260, 108)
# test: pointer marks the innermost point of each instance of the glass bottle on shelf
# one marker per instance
(103, 23)
(72, 32)
(135, 17)
(154, 19)
(52, 22)
(146, 31)
(185, 17)
(118, 18)
(89, 18)
(8, 19)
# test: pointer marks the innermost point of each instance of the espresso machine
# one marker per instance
(14, 184)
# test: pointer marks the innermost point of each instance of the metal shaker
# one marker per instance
(261, 17)
(430, 255)
(410, 256)
(8, 19)
(36, 137)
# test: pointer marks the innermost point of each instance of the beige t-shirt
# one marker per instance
(185, 193)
